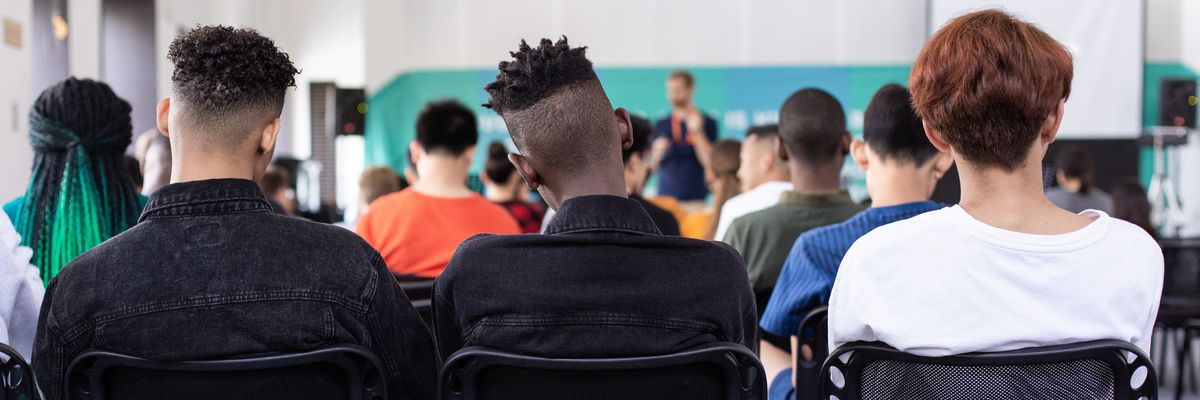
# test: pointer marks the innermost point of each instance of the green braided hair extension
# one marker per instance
(79, 195)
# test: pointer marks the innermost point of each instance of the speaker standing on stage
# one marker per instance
(682, 143)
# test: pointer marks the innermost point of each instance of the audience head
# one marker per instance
(1130, 204)
(760, 163)
(79, 194)
(680, 88)
(275, 183)
(637, 170)
(725, 162)
(153, 153)
(134, 170)
(812, 131)
(375, 182)
(990, 89)
(568, 136)
(1074, 170)
(227, 95)
(894, 146)
(500, 176)
(446, 128)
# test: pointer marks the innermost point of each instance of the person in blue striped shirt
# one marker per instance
(902, 168)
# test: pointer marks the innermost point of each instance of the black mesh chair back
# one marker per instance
(814, 333)
(16, 376)
(338, 372)
(1181, 281)
(718, 371)
(1103, 369)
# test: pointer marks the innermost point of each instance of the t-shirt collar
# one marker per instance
(815, 200)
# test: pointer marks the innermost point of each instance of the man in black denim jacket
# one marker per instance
(210, 271)
(603, 281)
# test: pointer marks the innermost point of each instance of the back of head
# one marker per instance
(893, 130)
(987, 82)
(1130, 204)
(641, 129)
(446, 127)
(377, 181)
(555, 109)
(79, 194)
(228, 83)
(497, 168)
(812, 124)
(1076, 163)
(274, 180)
(725, 161)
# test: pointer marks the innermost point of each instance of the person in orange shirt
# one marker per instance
(416, 230)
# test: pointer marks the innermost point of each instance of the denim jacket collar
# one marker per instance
(207, 197)
(601, 213)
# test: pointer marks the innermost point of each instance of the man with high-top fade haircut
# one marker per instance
(209, 271)
(603, 281)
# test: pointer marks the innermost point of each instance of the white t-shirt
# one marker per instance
(763, 196)
(21, 291)
(944, 283)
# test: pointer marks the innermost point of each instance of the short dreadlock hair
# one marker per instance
(229, 79)
(554, 106)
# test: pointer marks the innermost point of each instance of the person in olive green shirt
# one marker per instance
(813, 141)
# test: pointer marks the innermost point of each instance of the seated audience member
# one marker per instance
(637, 171)
(1129, 203)
(504, 186)
(602, 281)
(813, 143)
(133, 170)
(79, 193)
(764, 176)
(682, 142)
(274, 184)
(902, 168)
(211, 272)
(373, 183)
(21, 291)
(1075, 192)
(417, 229)
(724, 184)
(153, 152)
(1005, 268)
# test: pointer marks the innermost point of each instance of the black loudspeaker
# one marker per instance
(351, 110)
(1177, 103)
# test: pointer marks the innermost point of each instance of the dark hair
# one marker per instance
(80, 194)
(229, 78)
(812, 124)
(893, 129)
(535, 74)
(274, 179)
(987, 81)
(1076, 162)
(641, 130)
(377, 181)
(763, 131)
(1130, 204)
(446, 126)
(725, 160)
(683, 74)
(497, 167)
(133, 169)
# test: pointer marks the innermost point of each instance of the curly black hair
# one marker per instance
(221, 70)
(447, 126)
(535, 73)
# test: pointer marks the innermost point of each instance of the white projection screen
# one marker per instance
(1106, 39)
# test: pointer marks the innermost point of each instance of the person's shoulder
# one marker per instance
(319, 237)
(905, 235)
(480, 250)
(1126, 236)
(826, 237)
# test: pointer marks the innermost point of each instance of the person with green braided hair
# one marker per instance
(79, 194)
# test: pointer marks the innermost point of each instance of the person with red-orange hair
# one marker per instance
(1005, 268)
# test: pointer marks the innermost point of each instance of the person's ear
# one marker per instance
(781, 148)
(1050, 131)
(467, 156)
(624, 127)
(270, 133)
(415, 152)
(858, 152)
(935, 138)
(532, 178)
(846, 139)
(164, 116)
(942, 161)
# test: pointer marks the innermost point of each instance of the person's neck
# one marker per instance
(1071, 185)
(590, 184)
(500, 194)
(680, 111)
(196, 166)
(896, 185)
(819, 179)
(442, 176)
(1013, 200)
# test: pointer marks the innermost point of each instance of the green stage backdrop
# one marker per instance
(738, 97)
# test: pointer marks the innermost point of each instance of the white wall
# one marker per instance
(83, 39)
(414, 34)
(15, 98)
